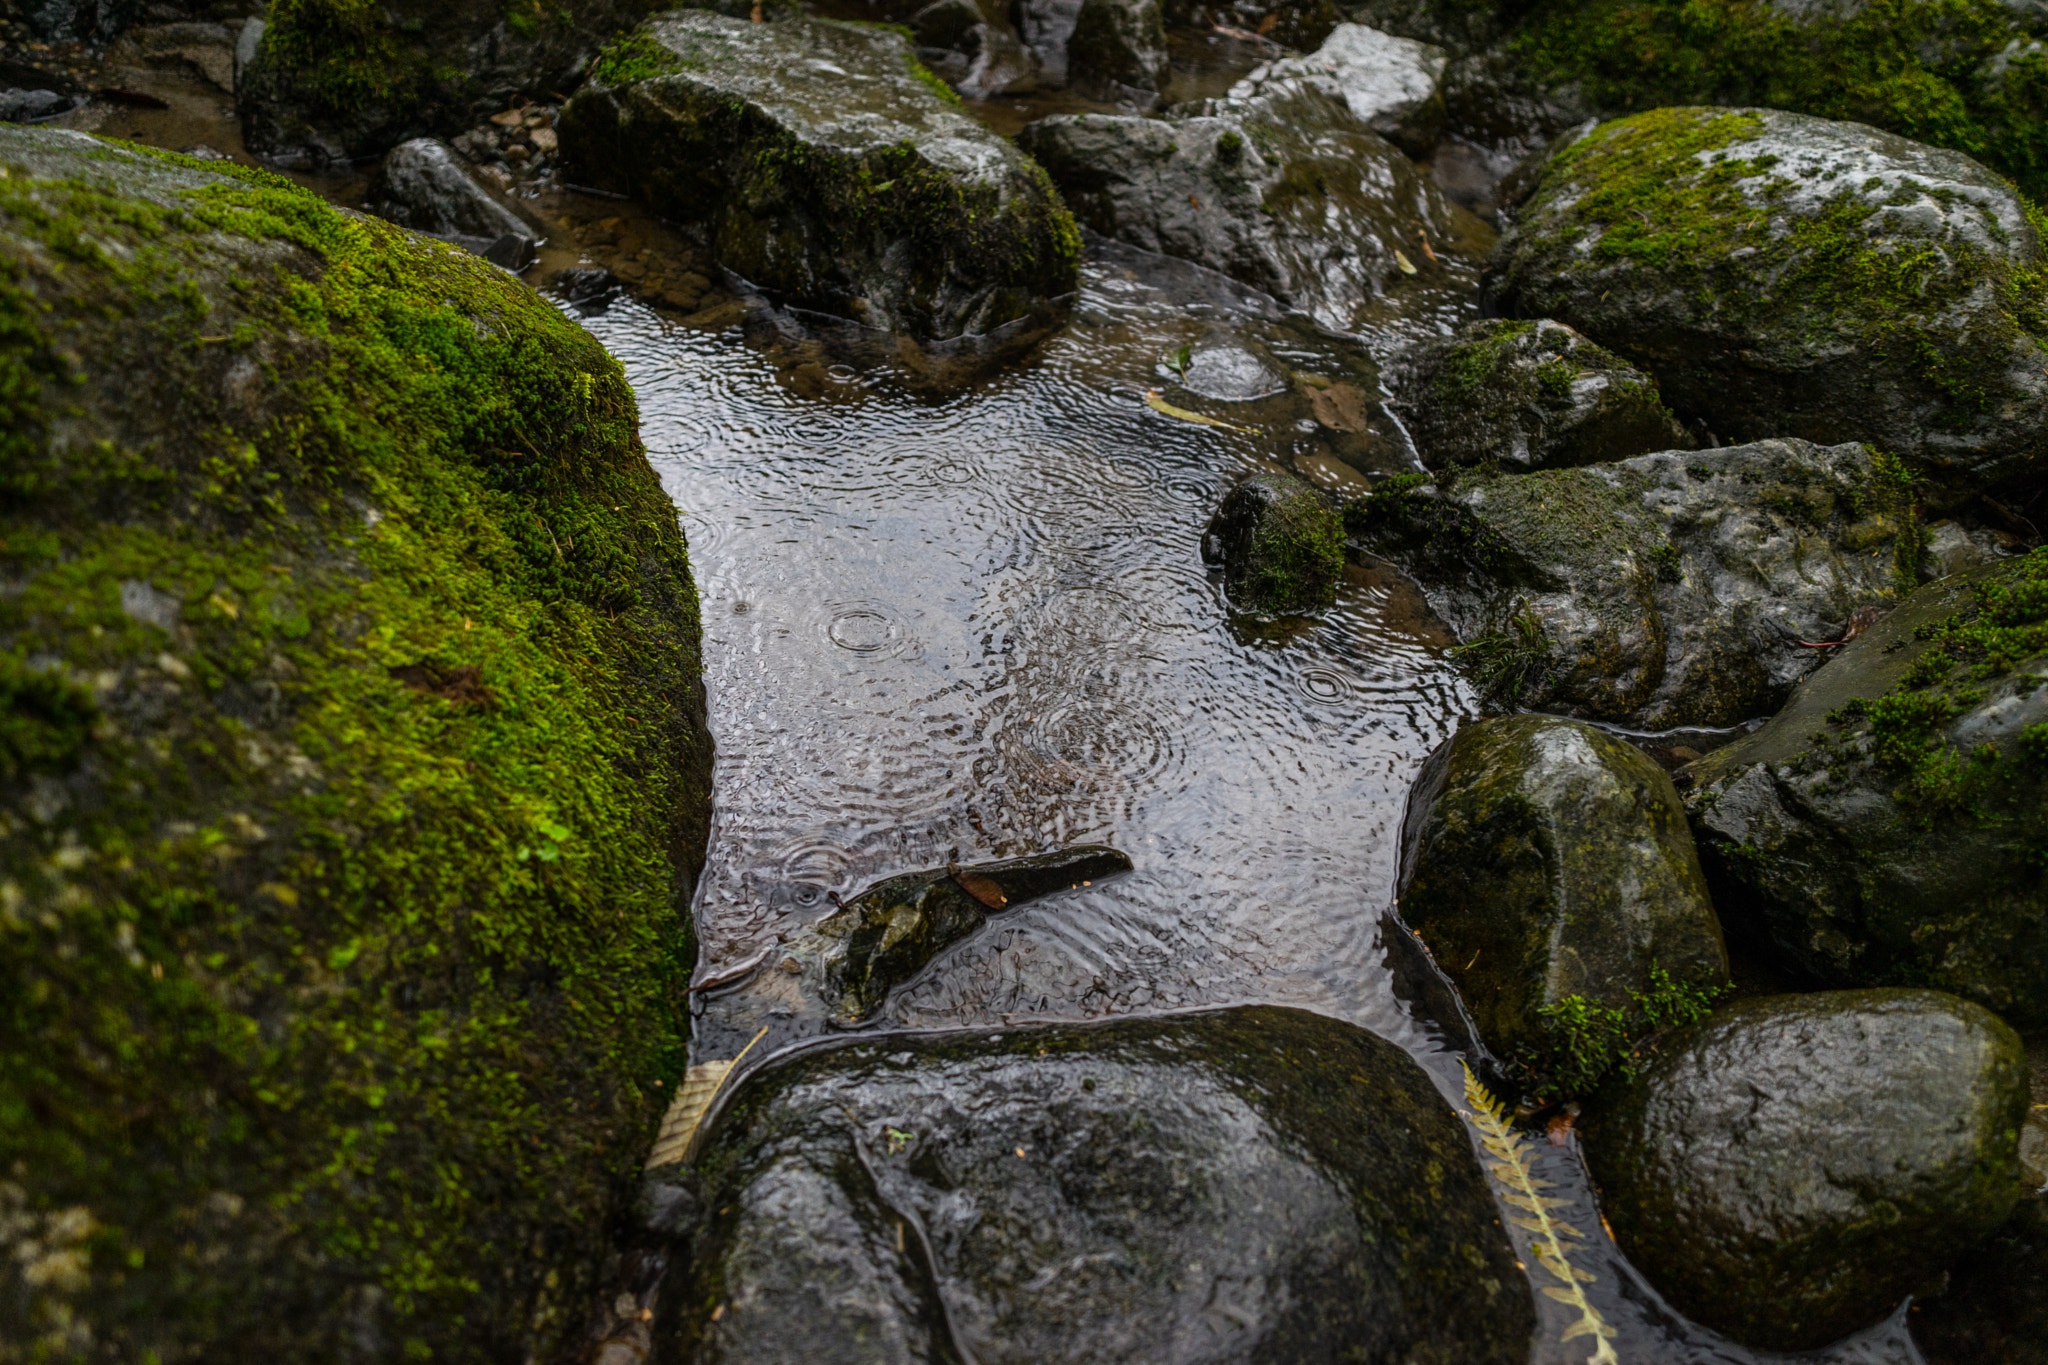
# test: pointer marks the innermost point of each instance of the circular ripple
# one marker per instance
(675, 436)
(873, 630)
(1091, 746)
(1188, 490)
(953, 471)
(1324, 686)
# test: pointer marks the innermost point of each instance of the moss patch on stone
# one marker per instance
(358, 779)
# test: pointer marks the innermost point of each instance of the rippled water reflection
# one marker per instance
(980, 626)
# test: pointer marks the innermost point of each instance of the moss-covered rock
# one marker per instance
(1529, 395)
(1791, 1168)
(1243, 1185)
(1281, 542)
(1790, 276)
(1670, 589)
(353, 779)
(830, 168)
(1889, 826)
(1287, 191)
(335, 81)
(1548, 868)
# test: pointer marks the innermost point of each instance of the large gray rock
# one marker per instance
(973, 46)
(826, 169)
(1248, 1185)
(1788, 1170)
(425, 186)
(1289, 192)
(1394, 85)
(1544, 859)
(1528, 395)
(1667, 590)
(1118, 49)
(1887, 826)
(1281, 544)
(1782, 275)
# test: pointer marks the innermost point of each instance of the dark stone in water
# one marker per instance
(1282, 545)
(1789, 1169)
(1544, 858)
(425, 186)
(1253, 1184)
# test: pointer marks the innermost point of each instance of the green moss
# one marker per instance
(1591, 1042)
(1508, 665)
(1470, 365)
(1909, 66)
(343, 932)
(635, 57)
(1296, 555)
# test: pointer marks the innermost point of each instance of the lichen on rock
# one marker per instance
(353, 776)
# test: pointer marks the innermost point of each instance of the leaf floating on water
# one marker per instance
(1511, 1168)
(686, 1112)
(1407, 266)
(1158, 404)
(979, 887)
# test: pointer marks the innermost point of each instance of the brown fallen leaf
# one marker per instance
(1266, 24)
(979, 887)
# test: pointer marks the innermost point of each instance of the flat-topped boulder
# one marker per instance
(830, 169)
(1782, 275)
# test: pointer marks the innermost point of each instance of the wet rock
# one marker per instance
(33, 106)
(1544, 859)
(1886, 827)
(1788, 1170)
(1394, 85)
(840, 969)
(1118, 48)
(423, 185)
(1298, 24)
(1289, 192)
(1229, 368)
(1668, 590)
(826, 171)
(1529, 395)
(298, 881)
(1952, 548)
(1790, 276)
(1251, 1184)
(976, 49)
(1281, 543)
(327, 84)
(206, 51)
(1996, 1305)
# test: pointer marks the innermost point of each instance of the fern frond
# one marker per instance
(1513, 1171)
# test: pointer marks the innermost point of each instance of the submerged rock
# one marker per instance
(1887, 827)
(353, 778)
(423, 185)
(1788, 1170)
(1790, 276)
(1281, 543)
(1394, 85)
(1543, 859)
(1289, 192)
(826, 168)
(330, 83)
(840, 969)
(1529, 395)
(1668, 590)
(1251, 1184)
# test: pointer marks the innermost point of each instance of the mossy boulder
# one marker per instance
(1281, 543)
(830, 168)
(1394, 85)
(1244, 1185)
(353, 779)
(1681, 588)
(1788, 1170)
(1529, 395)
(1289, 192)
(337, 81)
(1548, 868)
(1888, 827)
(1782, 275)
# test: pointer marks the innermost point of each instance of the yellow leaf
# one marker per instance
(679, 1126)
(1407, 266)
(1158, 404)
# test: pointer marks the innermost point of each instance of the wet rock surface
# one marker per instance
(1281, 544)
(1529, 395)
(425, 186)
(825, 171)
(1668, 590)
(1394, 85)
(1787, 276)
(1790, 1169)
(1118, 49)
(1884, 828)
(973, 46)
(1251, 1184)
(1289, 192)
(839, 970)
(1544, 859)
(278, 588)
